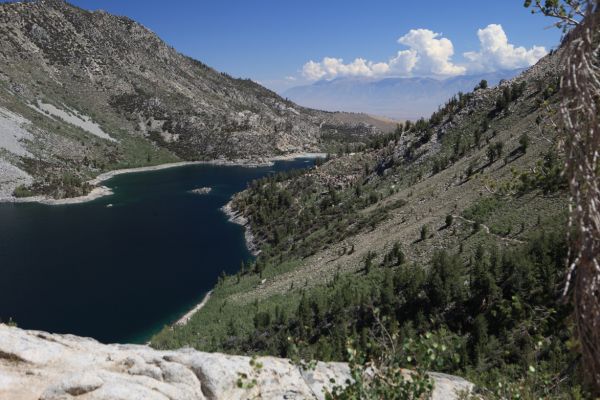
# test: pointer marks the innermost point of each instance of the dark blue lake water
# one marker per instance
(120, 273)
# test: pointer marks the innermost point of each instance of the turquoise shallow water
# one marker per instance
(120, 273)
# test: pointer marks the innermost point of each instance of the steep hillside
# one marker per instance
(83, 92)
(448, 233)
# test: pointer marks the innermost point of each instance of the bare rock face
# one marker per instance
(37, 365)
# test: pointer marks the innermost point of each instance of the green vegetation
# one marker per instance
(508, 96)
(524, 142)
(296, 216)
(424, 232)
(392, 381)
(449, 220)
(497, 315)
(482, 85)
(479, 211)
(494, 151)
(22, 191)
(413, 252)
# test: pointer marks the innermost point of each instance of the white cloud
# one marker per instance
(331, 67)
(290, 78)
(430, 54)
(313, 71)
(496, 53)
(404, 62)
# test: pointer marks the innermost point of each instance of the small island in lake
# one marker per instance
(201, 190)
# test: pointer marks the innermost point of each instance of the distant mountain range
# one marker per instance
(399, 98)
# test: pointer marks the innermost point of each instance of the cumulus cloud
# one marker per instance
(332, 67)
(313, 70)
(430, 54)
(496, 53)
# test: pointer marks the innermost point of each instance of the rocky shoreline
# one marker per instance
(96, 193)
(102, 191)
(185, 319)
(238, 218)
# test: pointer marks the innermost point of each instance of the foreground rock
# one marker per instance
(36, 365)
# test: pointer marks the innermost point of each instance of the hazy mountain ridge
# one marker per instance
(156, 104)
(400, 98)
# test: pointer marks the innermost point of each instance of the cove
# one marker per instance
(121, 267)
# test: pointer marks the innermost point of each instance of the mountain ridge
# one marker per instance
(64, 69)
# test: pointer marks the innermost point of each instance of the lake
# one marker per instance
(120, 273)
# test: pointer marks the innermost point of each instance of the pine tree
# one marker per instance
(449, 220)
(424, 232)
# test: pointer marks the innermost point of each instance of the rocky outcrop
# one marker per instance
(37, 365)
(238, 217)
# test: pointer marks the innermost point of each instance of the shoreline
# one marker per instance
(100, 191)
(96, 193)
(237, 218)
(233, 216)
(187, 316)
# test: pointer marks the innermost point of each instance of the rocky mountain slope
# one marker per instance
(83, 92)
(41, 366)
(369, 199)
(443, 230)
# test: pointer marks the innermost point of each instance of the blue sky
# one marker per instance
(269, 40)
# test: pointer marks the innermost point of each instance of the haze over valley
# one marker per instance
(397, 98)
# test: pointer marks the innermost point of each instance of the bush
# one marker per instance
(524, 143)
(395, 256)
(22, 191)
(494, 151)
(471, 168)
(262, 320)
(482, 209)
(373, 197)
(449, 220)
(369, 261)
(424, 232)
(482, 85)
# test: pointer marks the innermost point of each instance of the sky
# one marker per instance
(281, 44)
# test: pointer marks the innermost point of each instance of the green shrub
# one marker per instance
(483, 84)
(479, 211)
(424, 232)
(22, 191)
(449, 220)
(524, 143)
